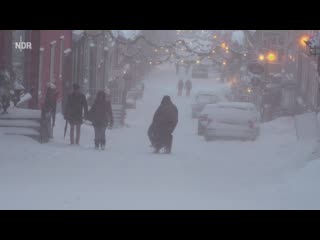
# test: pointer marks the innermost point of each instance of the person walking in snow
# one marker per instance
(188, 87)
(75, 107)
(48, 113)
(101, 117)
(180, 87)
(5, 102)
(163, 124)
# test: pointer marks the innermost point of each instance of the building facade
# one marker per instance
(304, 67)
(34, 68)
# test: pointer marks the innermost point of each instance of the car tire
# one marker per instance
(208, 138)
(200, 130)
(253, 138)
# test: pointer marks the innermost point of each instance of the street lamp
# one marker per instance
(261, 57)
(271, 57)
(303, 40)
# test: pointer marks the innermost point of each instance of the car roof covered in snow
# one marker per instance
(239, 105)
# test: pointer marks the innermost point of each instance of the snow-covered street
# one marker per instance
(273, 172)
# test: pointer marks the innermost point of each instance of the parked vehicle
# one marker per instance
(235, 120)
(203, 98)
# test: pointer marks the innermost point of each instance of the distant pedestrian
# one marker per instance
(76, 109)
(188, 87)
(180, 87)
(101, 117)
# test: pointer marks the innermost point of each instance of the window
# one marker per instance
(17, 55)
(40, 69)
(61, 56)
(52, 58)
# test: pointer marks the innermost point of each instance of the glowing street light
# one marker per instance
(198, 61)
(261, 57)
(223, 45)
(271, 57)
(224, 63)
(303, 40)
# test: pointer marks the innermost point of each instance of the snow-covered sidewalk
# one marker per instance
(271, 173)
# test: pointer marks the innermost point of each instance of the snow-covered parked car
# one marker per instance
(203, 98)
(235, 120)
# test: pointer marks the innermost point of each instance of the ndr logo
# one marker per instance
(23, 45)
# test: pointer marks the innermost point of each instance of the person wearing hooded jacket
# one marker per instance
(101, 117)
(163, 124)
(76, 109)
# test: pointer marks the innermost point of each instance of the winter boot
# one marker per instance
(156, 150)
(96, 144)
(169, 145)
(103, 144)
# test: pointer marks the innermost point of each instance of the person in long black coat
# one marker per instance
(164, 123)
(48, 113)
(101, 117)
(76, 109)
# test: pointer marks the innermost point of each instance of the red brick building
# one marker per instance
(35, 67)
(49, 47)
(5, 48)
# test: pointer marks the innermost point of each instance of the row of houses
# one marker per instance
(64, 57)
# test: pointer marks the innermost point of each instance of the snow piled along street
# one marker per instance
(273, 172)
